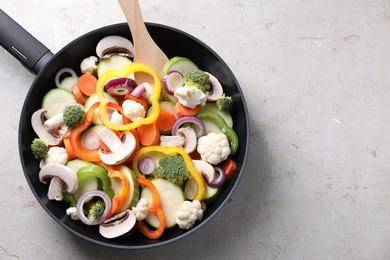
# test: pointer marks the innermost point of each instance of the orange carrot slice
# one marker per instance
(186, 111)
(77, 93)
(165, 121)
(230, 167)
(87, 84)
(148, 134)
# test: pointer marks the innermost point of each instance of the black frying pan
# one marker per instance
(38, 59)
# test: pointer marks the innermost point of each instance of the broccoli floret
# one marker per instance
(197, 78)
(73, 115)
(96, 210)
(225, 103)
(172, 168)
(39, 148)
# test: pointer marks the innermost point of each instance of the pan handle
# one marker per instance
(22, 45)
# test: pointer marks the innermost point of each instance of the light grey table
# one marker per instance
(316, 77)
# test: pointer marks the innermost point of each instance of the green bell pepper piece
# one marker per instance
(96, 171)
(69, 198)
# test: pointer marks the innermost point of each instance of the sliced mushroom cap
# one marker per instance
(56, 188)
(114, 44)
(118, 225)
(43, 131)
(206, 169)
(120, 150)
(216, 89)
(172, 140)
(191, 189)
(54, 122)
(66, 174)
(190, 138)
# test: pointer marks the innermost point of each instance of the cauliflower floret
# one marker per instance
(55, 155)
(190, 96)
(133, 110)
(88, 65)
(72, 212)
(141, 211)
(191, 211)
(213, 148)
(116, 118)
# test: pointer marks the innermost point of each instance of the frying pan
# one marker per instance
(40, 61)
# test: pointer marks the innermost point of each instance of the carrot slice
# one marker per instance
(87, 84)
(186, 111)
(229, 166)
(140, 100)
(165, 121)
(148, 134)
(77, 93)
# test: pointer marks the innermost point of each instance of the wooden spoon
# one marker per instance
(146, 50)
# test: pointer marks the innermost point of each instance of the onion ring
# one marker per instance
(84, 197)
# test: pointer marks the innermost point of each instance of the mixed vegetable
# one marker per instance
(134, 155)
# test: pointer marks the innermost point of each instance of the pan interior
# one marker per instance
(174, 43)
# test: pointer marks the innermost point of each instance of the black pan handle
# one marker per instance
(22, 45)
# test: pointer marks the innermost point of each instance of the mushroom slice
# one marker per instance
(114, 44)
(118, 225)
(191, 189)
(190, 138)
(56, 188)
(120, 150)
(172, 140)
(45, 130)
(64, 173)
(206, 169)
(216, 88)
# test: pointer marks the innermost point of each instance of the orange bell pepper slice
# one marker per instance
(120, 200)
(78, 149)
(155, 208)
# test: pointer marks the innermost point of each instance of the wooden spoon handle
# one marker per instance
(146, 50)
(132, 12)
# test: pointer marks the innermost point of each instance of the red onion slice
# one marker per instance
(219, 180)
(84, 197)
(146, 165)
(138, 91)
(120, 86)
(197, 125)
(172, 80)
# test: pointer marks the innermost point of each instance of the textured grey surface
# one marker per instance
(316, 79)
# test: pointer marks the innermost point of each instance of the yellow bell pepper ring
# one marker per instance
(172, 151)
(126, 72)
